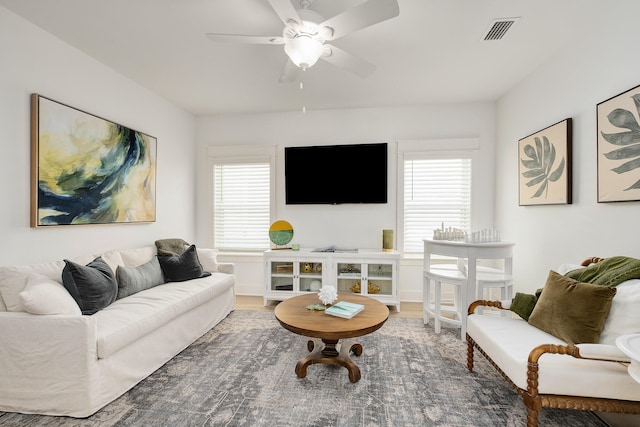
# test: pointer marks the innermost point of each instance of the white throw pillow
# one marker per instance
(112, 258)
(13, 280)
(208, 258)
(624, 315)
(138, 256)
(42, 295)
(565, 268)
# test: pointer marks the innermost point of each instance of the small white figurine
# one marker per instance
(328, 294)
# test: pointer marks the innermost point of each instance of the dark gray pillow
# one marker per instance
(183, 267)
(135, 279)
(92, 286)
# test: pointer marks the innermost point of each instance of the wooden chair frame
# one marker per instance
(533, 400)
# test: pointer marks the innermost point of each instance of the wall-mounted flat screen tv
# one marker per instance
(336, 174)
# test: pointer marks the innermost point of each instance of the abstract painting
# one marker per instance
(619, 147)
(544, 166)
(88, 170)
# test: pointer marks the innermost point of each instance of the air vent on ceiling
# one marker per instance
(498, 28)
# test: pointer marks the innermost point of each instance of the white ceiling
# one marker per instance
(432, 53)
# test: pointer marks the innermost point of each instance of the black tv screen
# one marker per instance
(336, 174)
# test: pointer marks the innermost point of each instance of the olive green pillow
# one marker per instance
(523, 304)
(171, 247)
(573, 311)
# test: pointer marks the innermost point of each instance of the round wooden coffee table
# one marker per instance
(294, 316)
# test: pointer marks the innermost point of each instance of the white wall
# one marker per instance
(35, 62)
(570, 85)
(355, 226)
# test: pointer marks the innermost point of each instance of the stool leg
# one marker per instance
(480, 294)
(426, 300)
(437, 297)
(463, 310)
(507, 293)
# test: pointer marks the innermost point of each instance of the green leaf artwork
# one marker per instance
(539, 162)
(628, 140)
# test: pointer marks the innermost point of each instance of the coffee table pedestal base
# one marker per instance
(330, 355)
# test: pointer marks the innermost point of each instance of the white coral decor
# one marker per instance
(328, 294)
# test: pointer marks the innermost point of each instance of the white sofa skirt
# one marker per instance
(50, 365)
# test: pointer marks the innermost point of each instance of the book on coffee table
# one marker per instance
(344, 309)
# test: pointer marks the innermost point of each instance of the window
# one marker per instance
(434, 189)
(242, 202)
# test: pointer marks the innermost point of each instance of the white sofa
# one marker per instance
(73, 364)
(549, 372)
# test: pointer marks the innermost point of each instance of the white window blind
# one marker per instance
(436, 190)
(241, 199)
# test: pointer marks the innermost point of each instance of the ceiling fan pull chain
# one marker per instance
(304, 107)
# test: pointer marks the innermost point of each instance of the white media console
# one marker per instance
(373, 273)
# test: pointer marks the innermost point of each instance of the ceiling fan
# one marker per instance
(306, 32)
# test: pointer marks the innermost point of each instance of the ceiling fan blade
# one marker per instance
(239, 38)
(360, 16)
(285, 10)
(289, 72)
(342, 59)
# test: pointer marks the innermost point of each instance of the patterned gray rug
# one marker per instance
(241, 373)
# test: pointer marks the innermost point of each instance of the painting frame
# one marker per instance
(87, 170)
(542, 178)
(618, 147)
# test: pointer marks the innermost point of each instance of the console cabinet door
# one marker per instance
(281, 275)
(366, 278)
(310, 275)
(380, 279)
(294, 275)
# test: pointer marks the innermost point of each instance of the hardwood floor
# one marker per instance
(245, 302)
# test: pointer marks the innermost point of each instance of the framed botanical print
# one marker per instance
(544, 166)
(618, 138)
(88, 170)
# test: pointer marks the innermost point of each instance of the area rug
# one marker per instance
(241, 373)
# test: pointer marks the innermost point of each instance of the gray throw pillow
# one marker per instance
(135, 279)
(92, 286)
(183, 267)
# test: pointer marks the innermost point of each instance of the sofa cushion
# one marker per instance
(92, 286)
(129, 319)
(572, 311)
(42, 295)
(508, 342)
(135, 279)
(183, 267)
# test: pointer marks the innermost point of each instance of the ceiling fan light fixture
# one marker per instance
(304, 50)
